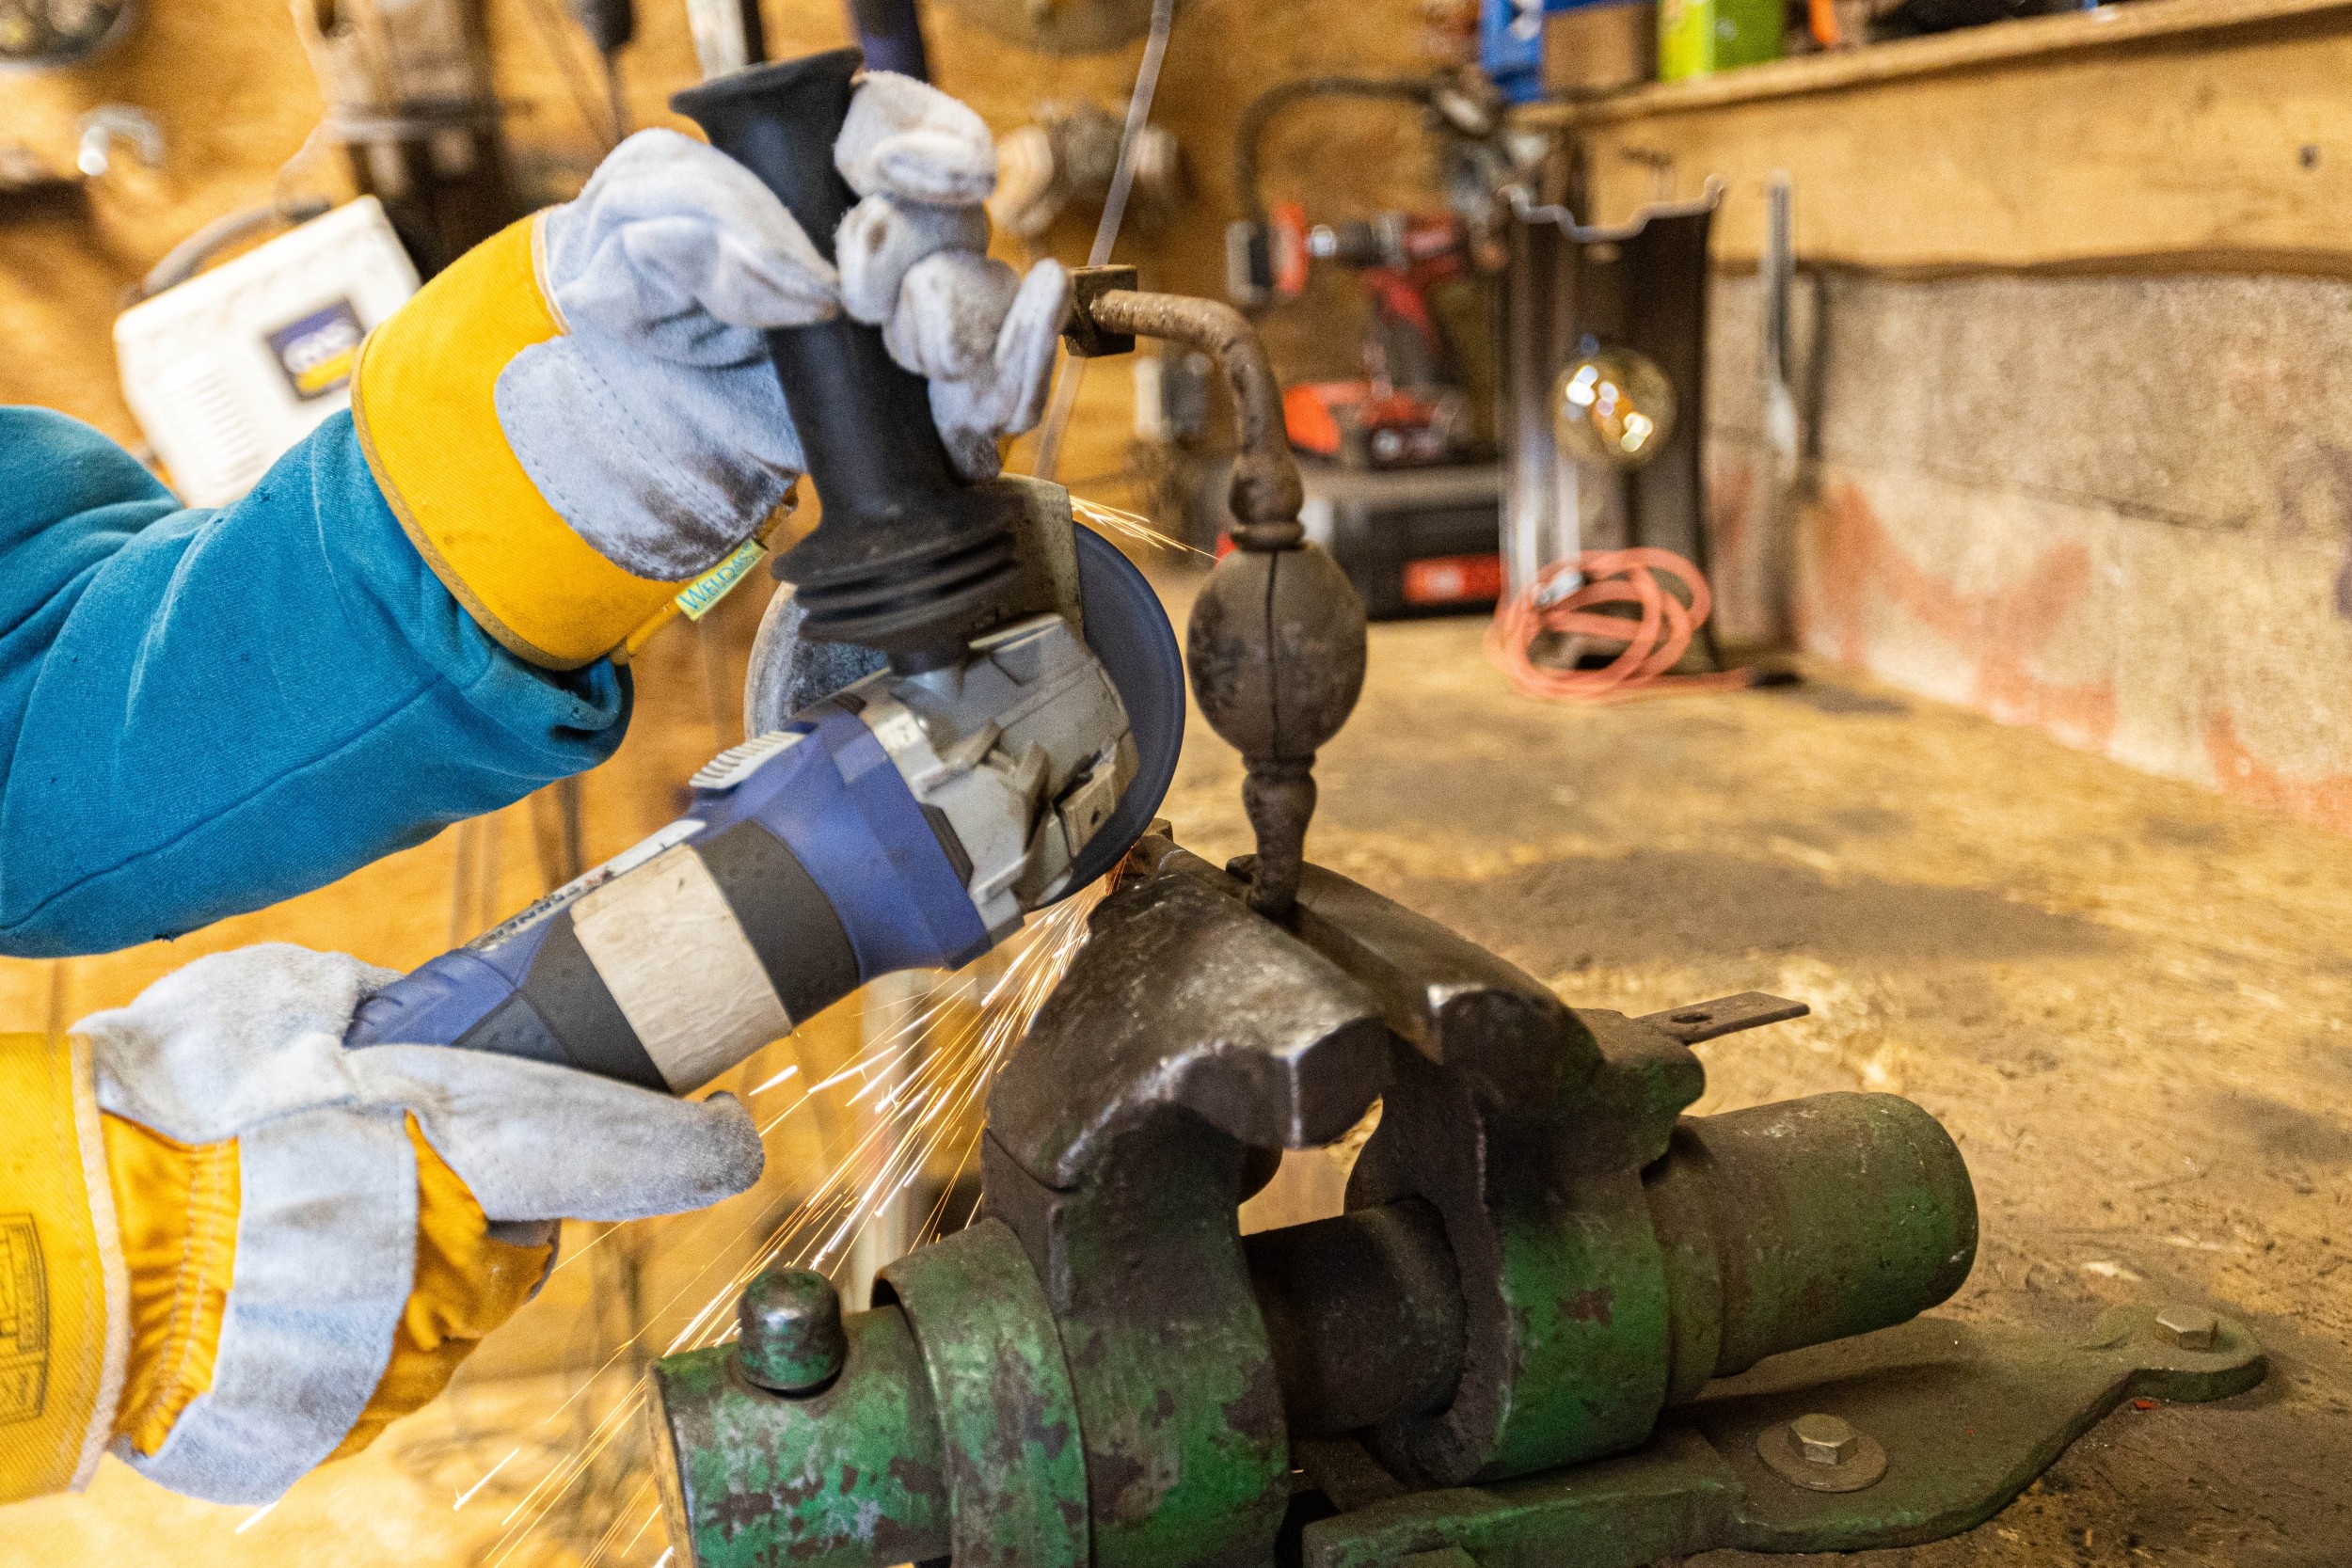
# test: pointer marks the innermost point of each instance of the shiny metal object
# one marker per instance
(1614, 407)
(109, 123)
(1825, 1439)
(2188, 1328)
(1822, 1453)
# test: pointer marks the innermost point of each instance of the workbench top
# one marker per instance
(2129, 999)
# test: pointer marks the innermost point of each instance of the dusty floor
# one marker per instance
(2128, 998)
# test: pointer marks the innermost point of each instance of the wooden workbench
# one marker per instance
(2129, 999)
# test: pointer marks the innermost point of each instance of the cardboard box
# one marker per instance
(1594, 48)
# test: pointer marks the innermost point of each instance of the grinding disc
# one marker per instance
(1129, 634)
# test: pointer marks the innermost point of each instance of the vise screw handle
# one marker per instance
(907, 558)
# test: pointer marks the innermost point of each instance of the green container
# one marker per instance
(1699, 37)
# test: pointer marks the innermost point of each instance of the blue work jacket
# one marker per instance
(204, 711)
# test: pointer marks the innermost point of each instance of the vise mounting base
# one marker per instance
(1968, 1415)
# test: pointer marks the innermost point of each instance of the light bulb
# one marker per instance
(1613, 405)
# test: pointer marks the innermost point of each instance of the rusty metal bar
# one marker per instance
(1266, 493)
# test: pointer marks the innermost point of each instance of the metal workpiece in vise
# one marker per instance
(1275, 643)
(1561, 1320)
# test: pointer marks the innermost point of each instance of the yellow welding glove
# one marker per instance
(251, 1248)
(177, 1205)
(62, 1338)
(578, 418)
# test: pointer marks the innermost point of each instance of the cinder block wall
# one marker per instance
(2115, 508)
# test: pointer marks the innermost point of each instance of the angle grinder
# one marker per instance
(1012, 715)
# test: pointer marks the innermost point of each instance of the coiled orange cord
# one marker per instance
(1644, 578)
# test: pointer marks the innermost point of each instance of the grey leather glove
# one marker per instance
(653, 425)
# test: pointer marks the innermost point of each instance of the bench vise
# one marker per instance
(1511, 1348)
(1560, 1324)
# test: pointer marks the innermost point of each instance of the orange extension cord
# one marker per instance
(1674, 600)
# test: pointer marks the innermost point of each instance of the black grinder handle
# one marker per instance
(906, 557)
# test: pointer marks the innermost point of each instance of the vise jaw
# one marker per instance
(1543, 1262)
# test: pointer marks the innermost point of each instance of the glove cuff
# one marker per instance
(64, 1323)
(467, 1282)
(177, 1206)
(423, 400)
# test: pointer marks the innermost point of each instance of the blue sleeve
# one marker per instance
(202, 712)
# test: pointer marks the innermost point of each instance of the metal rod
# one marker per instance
(1266, 492)
(1106, 228)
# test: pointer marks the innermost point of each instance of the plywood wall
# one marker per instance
(229, 84)
(2209, 135)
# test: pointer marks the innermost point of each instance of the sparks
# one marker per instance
(1118, 519)
(910, 1103)
(468, 1495)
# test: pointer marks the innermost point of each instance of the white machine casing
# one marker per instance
(229, 369)
(1024, 751)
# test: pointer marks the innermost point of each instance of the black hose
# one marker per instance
(891, 34)
(1251, 128)
(611, 25)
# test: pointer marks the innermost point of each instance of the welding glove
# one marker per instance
(578, 418)
(312, 1238)
(912, 258)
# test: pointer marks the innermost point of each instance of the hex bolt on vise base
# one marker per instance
(1821, 1453)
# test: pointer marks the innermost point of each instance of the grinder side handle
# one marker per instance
(907, 556)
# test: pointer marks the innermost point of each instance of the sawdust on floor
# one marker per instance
(2130, 1001)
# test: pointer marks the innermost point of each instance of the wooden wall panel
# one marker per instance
(229, 84)
(2176, 134)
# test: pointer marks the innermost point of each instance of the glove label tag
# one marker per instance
(697, 596)
(24, 1320)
